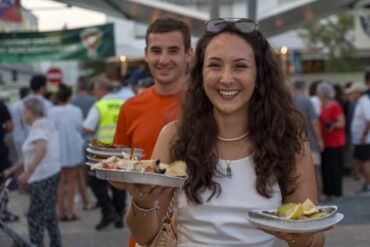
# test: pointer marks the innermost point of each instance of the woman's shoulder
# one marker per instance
(170, 130)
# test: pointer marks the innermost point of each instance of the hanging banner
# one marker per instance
(10, 10)
(82, 43)
(362, 28)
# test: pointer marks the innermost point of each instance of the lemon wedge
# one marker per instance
(309, 207)
(283, 209)
(318, 215)
(295, 213)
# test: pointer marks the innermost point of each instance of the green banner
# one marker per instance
(82, 43)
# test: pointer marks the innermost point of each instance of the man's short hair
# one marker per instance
(168, 24)
(104, 84)
(83, 83)
(37, 82)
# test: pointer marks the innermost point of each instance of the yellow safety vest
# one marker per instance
(108, 110)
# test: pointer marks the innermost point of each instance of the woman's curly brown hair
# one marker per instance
(276, 128)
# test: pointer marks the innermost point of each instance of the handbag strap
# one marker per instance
(171, 208)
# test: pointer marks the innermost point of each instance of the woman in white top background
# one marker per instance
(41, 171)
(68, 121)
(243, 142)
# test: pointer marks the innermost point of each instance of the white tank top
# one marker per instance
(222, 222)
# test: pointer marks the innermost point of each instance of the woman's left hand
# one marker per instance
(296, 239)
(23, 178)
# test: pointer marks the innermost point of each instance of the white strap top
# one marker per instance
(222, 222)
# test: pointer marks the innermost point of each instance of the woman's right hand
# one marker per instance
(143, 195)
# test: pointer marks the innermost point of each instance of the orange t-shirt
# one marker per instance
(142, 117)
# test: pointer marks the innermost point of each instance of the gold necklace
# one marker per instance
(233, 139)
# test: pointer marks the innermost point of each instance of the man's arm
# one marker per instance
(90, 124)
(317, 132)
(365, 133)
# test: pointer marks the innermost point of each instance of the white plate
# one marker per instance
(139, 177)
(118, 152)
(295, 226)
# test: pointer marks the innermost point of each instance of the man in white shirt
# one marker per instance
(112, 208)
(360, 130)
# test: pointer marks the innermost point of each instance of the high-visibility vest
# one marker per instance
(108, 110)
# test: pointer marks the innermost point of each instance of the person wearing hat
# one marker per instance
(360, 130)
(353, 93)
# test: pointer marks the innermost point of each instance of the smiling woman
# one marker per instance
(243, 143)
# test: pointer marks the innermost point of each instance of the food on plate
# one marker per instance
(99, 144)
(96, 157)
(298, 211)
(176, 169)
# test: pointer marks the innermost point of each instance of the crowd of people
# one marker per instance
(337, 128)
(42, 142)
(249, 139)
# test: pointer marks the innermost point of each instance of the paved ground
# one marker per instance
(353, 231)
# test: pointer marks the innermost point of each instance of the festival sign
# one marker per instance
(83, 43)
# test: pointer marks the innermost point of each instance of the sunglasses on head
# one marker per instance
(242, 24)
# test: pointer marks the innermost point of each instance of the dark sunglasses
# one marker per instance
(242, 24)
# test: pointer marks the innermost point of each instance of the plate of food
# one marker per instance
(98, 145)
(117, 152)
(151, 172)
(100, 148)
(296, 218)
(95, 158)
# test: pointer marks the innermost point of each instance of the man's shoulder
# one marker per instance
(364, 101)
(141, 98)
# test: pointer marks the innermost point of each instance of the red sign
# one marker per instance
(10, 10)
(54, 75)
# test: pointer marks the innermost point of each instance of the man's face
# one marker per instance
(166, 57)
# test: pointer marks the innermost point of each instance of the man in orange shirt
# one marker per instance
(168, 52)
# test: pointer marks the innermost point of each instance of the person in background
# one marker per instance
(125, 92)
(132, 79)
(84, 100)
(333, 123)
(353, 94)
(305, 106)
(243, 142)
(101, 121)
(312, 91)
(38, 89)
(41, 162)
(144, 84)
(6, 126)
(168, 52)
(67, 119)
(360, 130)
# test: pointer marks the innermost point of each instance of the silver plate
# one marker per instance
(139, 177)
(90, 163)
(93, 159)
(275, 223)
(118, 152)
